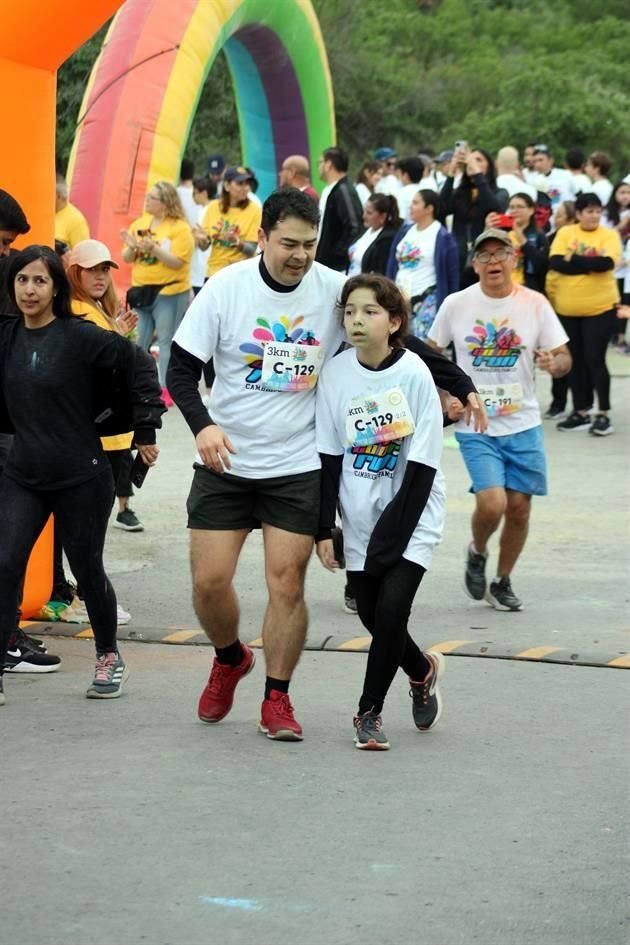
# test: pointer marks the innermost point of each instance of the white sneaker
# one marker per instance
(122, 616)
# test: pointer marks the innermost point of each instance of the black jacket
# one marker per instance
(123, 400)
(375, 257)
(341, 226)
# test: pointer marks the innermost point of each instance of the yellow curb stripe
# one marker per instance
(447, 646)
(257, 642)
(86, 634)
(356, 643)
(537, 652)
(29, 623)
(621, 661)
(180, 636)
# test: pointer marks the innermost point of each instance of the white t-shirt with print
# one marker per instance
(245, 325)
(415, 254)
(372, 473)
(557, 184)
(495, 343)
(357, 251)
(200, 257)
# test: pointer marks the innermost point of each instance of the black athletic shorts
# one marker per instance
(222, 502)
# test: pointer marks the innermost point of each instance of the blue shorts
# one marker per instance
(516, 461)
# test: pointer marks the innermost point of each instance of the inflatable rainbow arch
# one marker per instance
(144, 88)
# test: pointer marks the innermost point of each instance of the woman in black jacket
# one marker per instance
(371, 251)
(475, 196)
(51, 366)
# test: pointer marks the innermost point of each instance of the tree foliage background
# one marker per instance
(418, 74)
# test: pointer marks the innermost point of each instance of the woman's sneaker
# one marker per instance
(128, 521)
(368, 732)
(601, 426)
(426, 706)
(109, 675)
(576, 421)
(502, 597)
(22, 657)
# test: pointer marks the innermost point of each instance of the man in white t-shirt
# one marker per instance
(185, 190)
(389, 182)
(270, 324)
(410, 172)
(597, 167)
(556, 182)
(499, 330)
(509, 174)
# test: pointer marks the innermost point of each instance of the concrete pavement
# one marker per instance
(131, 823)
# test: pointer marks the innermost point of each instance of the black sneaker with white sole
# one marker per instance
(368, 732)
(555, 412)
(475, 576)
(501, 595)
(26, 639)
(426, 706)
(349, 601)
(576, 421)
(21, 658)
(128, 521)
(601, 426)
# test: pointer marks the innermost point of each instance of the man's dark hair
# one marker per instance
(601, 161)
(206, 183)
(54, 265)
(187, 169)
(413, 167)
(574, 159)
(288, 202)
(338, 158)
(582, 201)
(12, 216)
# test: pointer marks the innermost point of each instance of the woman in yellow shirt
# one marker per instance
(94, 299)
(584, 256)
(231, 223)
(159, 244)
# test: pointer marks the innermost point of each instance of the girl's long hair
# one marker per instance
(108, 303)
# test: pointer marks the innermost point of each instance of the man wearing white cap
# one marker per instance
(499, 330)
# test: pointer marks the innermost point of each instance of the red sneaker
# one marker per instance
(277, 719)
(217, 697)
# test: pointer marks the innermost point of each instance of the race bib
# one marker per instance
(501, 399)
(290, 367)
(379, 419)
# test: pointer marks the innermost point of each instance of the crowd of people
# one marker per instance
(328, 315)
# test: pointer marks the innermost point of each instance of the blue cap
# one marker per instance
(216, 164)
(382, 154)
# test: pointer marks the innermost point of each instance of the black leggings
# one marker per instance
(81, 515)
(588, 341)
(384, 605)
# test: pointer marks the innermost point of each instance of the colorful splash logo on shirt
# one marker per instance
(376, 459)
(282, 330)
(493, 345)
(408, 255)
(581, 249)
(225, 234)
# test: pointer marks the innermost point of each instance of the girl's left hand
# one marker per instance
(326, 554)
(127, 321)
(150, 453)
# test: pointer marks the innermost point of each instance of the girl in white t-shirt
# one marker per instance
(379, 435)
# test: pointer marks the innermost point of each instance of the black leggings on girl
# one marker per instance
(81, 515)
(384, 605)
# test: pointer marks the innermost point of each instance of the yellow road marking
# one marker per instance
(180, 636)
(447, 646)
(355, 644)
(537, 652)
(621, 661)
(86, 634)
(256, 642)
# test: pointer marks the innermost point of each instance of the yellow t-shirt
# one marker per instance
(246, 221)
(71, 226)
(593, 292)
(175, 236)
(92, 313)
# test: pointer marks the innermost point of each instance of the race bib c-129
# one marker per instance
(290, 367)
(379, 418)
